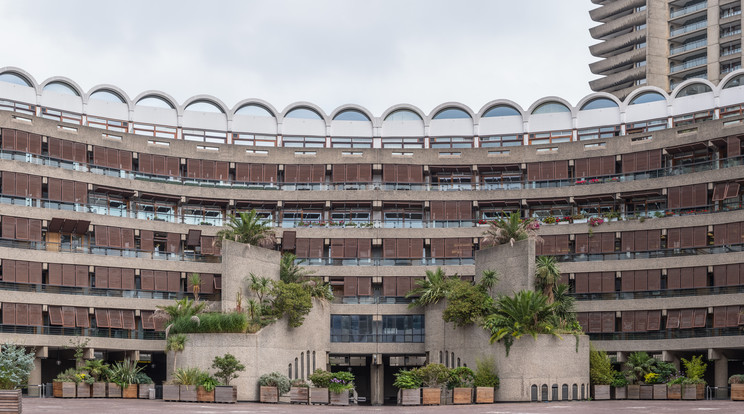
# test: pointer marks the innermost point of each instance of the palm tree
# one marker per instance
(430, 290)
(261, 286)
(637, 366)
(175, 343)
(181, 309)
(290, 269)
(247, 228)
(489, 279)
(510, 230)
(547, 276)
(564, 304)
(527, 313)
(195, 281)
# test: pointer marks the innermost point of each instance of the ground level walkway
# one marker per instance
(118, 406)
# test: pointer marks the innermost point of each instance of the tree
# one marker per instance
(290, 269)
(293, 301)
(183, 308)
(248, 228)
(466, 303)
(195, 281)
(637, 366)
(175, 343)
(547, 276)
(227, 368)
(600, 367)
(564, 304)
(431, 289)
(261, 286)
(510, 230)
(489, 279)
(15, 366)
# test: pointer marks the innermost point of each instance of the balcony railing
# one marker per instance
(688, 46)
(90, 332)
(689, 28)
(689, 64)
(663, 293)
(649, 254)
(424, 261)
(664, 334)
(689, 9)
(111, 293)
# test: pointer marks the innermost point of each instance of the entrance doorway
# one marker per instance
(359, 366)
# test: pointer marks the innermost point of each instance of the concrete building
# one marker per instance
(663, 42)
(107, 202)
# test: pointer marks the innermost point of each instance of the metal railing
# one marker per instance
(689, 64)
(91, 291)
(664, 334)
(663, 293)
(425, 261)
(688, 46)
(688, 28)
(688, 9)
(650, 254)
(91, 332)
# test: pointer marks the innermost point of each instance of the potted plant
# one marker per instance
(485, 381)
(272, 386)
(637, 366)
(124, 374)
(65, 385)
(16, 366)
(409, 387)
(227, 368)
(664, 371)
(205, 387)
(144, 385)
(693, 387)
(84, 383)
(650, 381)
(461, 383)
(601, 373)
(171, 391)
(321, 379)
(737, 387)
(341, 383)
(620, 386)
(99, 371)
(174, 343)
(433, 376)
(674, 387)
(299, 392)
(187, 380)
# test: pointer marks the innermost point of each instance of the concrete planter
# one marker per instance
(130, 391)
(203, 395)
(484, 395)
(340, 398)
(647, 392)
(64, 389)
(319, 396)
(634, 392)
(98, 390)
(620, 393)
(693, 391)
(187, 393)
(674, 392)
(299, 395)
(601, 392)
(462, 396)
(226, 394)
(83, 390)
(737, 392)
(431, 396)
(660, 391)
(113, 390)
(269, 394)
(411, 396)
(143, 391)
(11, 401)
(171, 392)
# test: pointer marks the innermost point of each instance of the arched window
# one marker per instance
(289, 371)
(694, 89)
(647, 97)
(574, 392)
(253, 110)
(303, 113)
(533, 393)
(441, 361)
(452, 113)
(564, 392)
(106, 96)
(554, 396)
(313, 361)
(599, 103)
(62, 88)
(302, 365)
(501, 110)
(155, 102)
(14, 78)
(351, 115)
(403, 115)
(204, 106)
(582, 392)
(544, 392)
(550, 108)
(295, 370)
(734, 82)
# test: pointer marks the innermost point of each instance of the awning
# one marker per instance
(122, 192)
(639, 194)
(594, 198)
(60, 225)
(498, 168)
(159, 197)
(207, 201)
(547, 201)
(687, 147)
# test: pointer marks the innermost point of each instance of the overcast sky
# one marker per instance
(372, 53)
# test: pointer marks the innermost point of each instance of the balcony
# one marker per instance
(688, 28)
(608, 47)
(610, 10)
(693, 63)
(614, 26)
(730, 32)
(688, 46)
(687, 10)
(614, 62)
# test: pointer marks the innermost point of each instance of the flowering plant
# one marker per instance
(580, 181)
(651, 378)
(550, 220)
(595, 221)
(341, 381)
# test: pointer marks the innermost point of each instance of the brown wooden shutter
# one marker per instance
(581, 168)
(628, 241)
(700, 277)
(403, 285)
(673, 319)
(102, 277)
(719, 234)
(147, 280)
(350, 286)
(127, 320)
(582, 282)
(127, 279)
(21, 228)
(34, 273)
(115, 317)
(699, 318)
(242, 171)
(161, 280)
(685, 319)
(608, 322)
(628, 163)
(608, 282)
(686, 278)
(654, 279)
(114, 237)
(147, 240)
(732, 190)
(68, 275)
(147, 320)
(339, 173)
(595, 282)
(641, 321)
(81, 276)
(732, 316)
(654, 320)
(208, 169)
(350, 248)
(81, 318)
(594, 166)
(21, 184)
(68, 316)
(337, 248)
(303, 248)
(102, 318)
(641, 280)
(734, 233)
(732, 274)
(55, 315)
(608, 242)
(318, 173)
(365, 248)
(719, 317)
(674, 239)
(173, 243)
(9, 267)
(291, 173)
(81, 192)
(316, 248)
(548, 247)
(641, 241)
(34, 230)
(437, 210)
(389, 286)
(288, 240)
(102, 238)
(174, 282)
(718, 192)
(388, 248)
(55, 274)
(627, 281)
(114, 278)
(364, 286)
(581, 243)
(9, 314)
(674, 200)
(595, 322)
(595, 244)
(35, 317)
(438, 248)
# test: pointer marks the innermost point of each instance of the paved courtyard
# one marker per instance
(117, 406)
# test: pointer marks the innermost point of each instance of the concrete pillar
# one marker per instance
(721, 372)
(377, 383)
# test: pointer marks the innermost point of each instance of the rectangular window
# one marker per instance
(689, 119)
(403, 328)
(501, 141)
(646, 126)
(201, 135)
(62, 116)
(13, 106)
(303, 142)
(353, 328)
(253, 139)
(402, 143)
(342, 142)
(298, 217)
(599, 132)
(157, 131)
(410, 216)
(552, 137)
(108, 124)
(451, 142)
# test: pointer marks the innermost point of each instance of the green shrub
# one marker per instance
(207, 381)
(124, 372)
(188, 376)
(299, 383)
(434, 375)
(211, 322)
(68, 375)
(619, 380)
(736, 379)
(665, 370)
(293, 301)
(407, 379)
(695, 369)
(275, 379)
(320, 378)
(600, 367)
(142, 378)
(486, 374)
(340, 381)
(466, 303)
(460, 377)
(227, 368)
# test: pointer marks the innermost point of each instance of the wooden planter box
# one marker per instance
(143, 391)
(130, 391)
(737, 392)
(269, 395)
(64, 389)
(601, 392)
(660, 391)
(462, 396)
(226, 394)
(319, 396)
(113, 390)
(340, 398)
(171, 392)
(187, 393)
(634, 392)
(431, 396)
(11, 401)
(693, 391)
(299, 395)
(621, 393)
(203, 395)
(411, 396)
(484, 395)
(83, 390)
(674, 392)
(98, 390)
(647, 392)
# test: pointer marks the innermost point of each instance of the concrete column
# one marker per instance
(377, 384)
(35, 378)
(721, 372)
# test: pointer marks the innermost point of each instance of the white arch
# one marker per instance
(413, 108)
(67, 81)
(501, 102)
(597, 95)
(23, 74)
(212, 100)
(306, 105)
(254, 101)
(152, 93)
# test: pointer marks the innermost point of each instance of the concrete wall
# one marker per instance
(238, 262)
